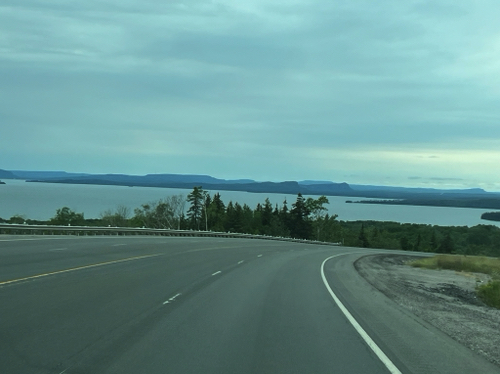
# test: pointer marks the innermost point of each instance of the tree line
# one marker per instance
(306, 218)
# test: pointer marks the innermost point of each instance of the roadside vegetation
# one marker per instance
(489, 292)
(305, 218)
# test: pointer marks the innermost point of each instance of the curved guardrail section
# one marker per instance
(21, 229)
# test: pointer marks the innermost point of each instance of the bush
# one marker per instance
(490, 293)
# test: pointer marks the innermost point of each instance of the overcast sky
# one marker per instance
(370, 92)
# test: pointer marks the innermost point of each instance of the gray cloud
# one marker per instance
(254, 89)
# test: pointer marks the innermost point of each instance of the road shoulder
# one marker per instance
(443, 298)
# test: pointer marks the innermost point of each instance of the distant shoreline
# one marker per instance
(433, 200)
(475, 198)
(475, 203)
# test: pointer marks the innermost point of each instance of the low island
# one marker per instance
(491, 216)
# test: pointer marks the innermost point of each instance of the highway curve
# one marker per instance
(205, 305)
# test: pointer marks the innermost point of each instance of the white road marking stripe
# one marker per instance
(172, 299)
(375, 348)
(242, 261)
(259, 256)
(58, 249)
(217, 272)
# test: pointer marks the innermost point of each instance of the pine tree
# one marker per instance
(300, 226)
(446, 245)
(362, 238)
(216, 213)
(196, 198)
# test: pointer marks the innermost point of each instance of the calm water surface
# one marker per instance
(41, 200)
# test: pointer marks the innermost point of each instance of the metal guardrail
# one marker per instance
(21, 229)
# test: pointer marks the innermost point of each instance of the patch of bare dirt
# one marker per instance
(443, 298)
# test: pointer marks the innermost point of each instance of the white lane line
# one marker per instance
(242, 261)
(172, 299)
(217, 272)
(58, 249)
(375, 348)
(259, 256)
(76, 268)
(118, 245)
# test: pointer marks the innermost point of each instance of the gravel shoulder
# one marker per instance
(443, 298)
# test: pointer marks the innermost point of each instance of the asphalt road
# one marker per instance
(205, 305)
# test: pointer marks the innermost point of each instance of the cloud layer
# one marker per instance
(356, 91)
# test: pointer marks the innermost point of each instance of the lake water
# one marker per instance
(41, 200)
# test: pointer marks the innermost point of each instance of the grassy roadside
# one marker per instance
(490, 292)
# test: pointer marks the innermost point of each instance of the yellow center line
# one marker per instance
(77, 268)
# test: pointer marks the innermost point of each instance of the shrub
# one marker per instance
(490, 293)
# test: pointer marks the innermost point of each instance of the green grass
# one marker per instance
(490, 292)
(473, 264)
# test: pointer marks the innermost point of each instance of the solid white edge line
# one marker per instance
(374, 347)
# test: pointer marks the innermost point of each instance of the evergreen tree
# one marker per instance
(284, 217)
(416, 247)
(267, 212)
(284, 209)
(216, 213)
(405, 244)
(363, 240)
(229, 221)
(433, 242)
(196, 198)
(300, 226)
(257, 220)
(237, 223)
(446, 245)
(247, 221)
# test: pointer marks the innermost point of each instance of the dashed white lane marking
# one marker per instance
(217, 272)
(118, 245)
(76, 268)
(242, 261)
(259, 256)
(375, 348)
(172, 299)
(58, 249)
